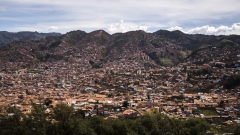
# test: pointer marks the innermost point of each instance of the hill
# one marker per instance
(101, 48)
(224, 53)
(194, 41)
(136, 48)
(6, 37)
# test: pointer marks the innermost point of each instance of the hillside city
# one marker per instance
(204, 85)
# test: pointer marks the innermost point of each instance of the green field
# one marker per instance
(166, 61)
(208, 112)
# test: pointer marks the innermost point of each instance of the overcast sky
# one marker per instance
(190, 16)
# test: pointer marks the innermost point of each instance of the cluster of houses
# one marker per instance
(217, 56)
(124, 88)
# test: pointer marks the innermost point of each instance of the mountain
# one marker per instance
(99, 49)
(138, 45)
(194, 41)
(223, 53)
(6, 37)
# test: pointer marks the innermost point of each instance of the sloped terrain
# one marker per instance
(98, 48)
(6, 37)
(224, 53)
(195, 41)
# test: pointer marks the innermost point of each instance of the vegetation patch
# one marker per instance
(184, 54)
(155, 57)
(225, 43)
(65, 120)
(208, 112)
(232, 82)
(166, 61)
(95, 65)
(55, 44)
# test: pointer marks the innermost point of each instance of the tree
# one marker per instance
(69, 121)
(119, 126)
(236, 130)
(196, 126)
(221, 104)
(125, 104)
(63, 115)
(12, 124)
(136, 127)
(79, 114)
(232, 82)
(37, 122)
(177, 126)
(148, 96)
(147, 122)
(101, 126)
(47, 102)
(91, 62)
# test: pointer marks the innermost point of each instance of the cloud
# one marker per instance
(122, 28)
(94, 14)
(175, 28)
(210, 30)
(52, 28)
(221, 30)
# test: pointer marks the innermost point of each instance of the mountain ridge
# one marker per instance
(161, 48)
(6, 37)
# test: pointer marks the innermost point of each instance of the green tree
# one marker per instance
(177, 127)
(47, 102)
(101, 126)
(37, 120)
(119, 126)
(12, 124)
(69, 122)
(197, 126)
(162, 125)
(63, 115)
(221, 104)
(236, 130)
(125, 104)
(136, 127)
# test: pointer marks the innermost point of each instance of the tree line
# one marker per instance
(65, 120)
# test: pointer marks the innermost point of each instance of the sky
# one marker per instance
(212, 17)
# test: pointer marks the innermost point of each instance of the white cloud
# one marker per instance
(52, 28)
(210, 30)
(94, 14)
(175, 28)
(221, 30)
(122, 28)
